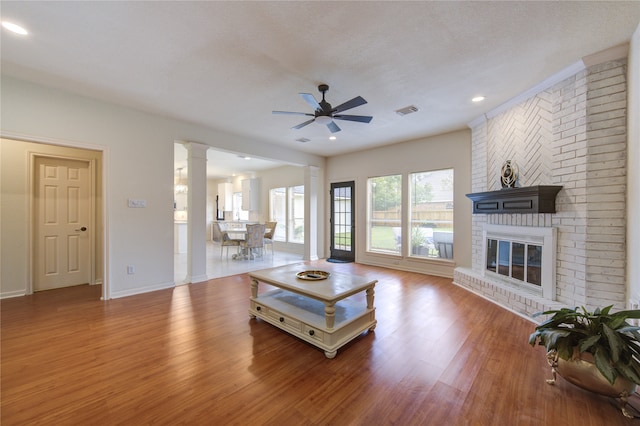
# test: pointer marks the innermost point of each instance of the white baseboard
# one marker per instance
(10, 294)
(138, 290)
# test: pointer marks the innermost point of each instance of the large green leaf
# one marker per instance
(633, 314)
(586, 344)
(550, 338)
(564, 347)
(603, 362)
(616, 343)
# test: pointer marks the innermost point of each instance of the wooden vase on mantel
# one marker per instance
(581, 371)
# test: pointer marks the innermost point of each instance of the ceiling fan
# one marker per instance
(325, 114)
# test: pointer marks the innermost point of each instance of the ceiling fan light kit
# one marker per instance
(324, 114)
(323, 120)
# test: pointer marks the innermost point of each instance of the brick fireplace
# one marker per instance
(570, 133)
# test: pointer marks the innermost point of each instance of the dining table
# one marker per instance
(239, 234)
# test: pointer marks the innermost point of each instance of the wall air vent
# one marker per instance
(407, 110)
(303, 140)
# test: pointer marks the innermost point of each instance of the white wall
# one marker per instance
(138, 162)
(633, 168)
(451, 150)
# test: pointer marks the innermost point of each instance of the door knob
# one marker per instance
(84, 228)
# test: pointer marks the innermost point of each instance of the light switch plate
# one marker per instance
(137, 204)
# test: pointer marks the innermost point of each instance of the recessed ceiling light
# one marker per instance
(332, 138)
(478, 99)
(14, 28)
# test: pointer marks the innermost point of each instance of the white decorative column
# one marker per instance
(197, 208)
(311, 213)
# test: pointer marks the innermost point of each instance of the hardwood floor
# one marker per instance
(190, 355)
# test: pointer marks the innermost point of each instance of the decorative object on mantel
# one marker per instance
(597, 351)
(509, 174)
(530, 199)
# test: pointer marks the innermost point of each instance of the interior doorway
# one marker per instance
(342, 222)
(64, 186)
(63, 201)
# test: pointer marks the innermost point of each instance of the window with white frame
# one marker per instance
(384, 227)
(286, 207)
(431, 214)
(278, 212)
(426, 230)
(296, 214)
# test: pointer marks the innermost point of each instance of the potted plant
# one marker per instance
(598, 351)
(418, 240)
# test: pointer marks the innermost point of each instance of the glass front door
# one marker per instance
(342, 222)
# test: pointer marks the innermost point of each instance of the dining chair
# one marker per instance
(270, 229)
(226, 241)
(254, 240)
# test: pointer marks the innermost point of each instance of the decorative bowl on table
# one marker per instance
(313, 275)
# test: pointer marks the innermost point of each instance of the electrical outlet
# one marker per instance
(131, 269)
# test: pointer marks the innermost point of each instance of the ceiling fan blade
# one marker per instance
(357, 101)
(358, 118)
(301, 125)
(291, 113)
(308, 98)
(333, 127)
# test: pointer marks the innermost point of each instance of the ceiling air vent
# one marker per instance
(303, 140)
(407, 110)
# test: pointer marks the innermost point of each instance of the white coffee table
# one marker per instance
(319, 312)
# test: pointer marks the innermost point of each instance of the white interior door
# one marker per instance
(62, 219)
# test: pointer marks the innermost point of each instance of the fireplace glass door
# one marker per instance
(534, 264)
(492, 253)
(517, 260)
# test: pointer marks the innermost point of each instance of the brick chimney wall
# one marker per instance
(574, 135)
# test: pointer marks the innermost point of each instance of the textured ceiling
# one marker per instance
(227, 65)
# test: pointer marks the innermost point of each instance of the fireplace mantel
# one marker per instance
(531, 199)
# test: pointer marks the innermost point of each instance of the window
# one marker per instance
(238, 213)
(429, 231)
(286, 206)
(385, 211)
(278, 212)
(431, 214)
(296, 214)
